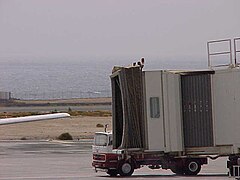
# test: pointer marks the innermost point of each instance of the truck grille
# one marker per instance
(99, 157)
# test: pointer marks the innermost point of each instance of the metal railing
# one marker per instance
(236, 50)
(225, 52)
(228, 52)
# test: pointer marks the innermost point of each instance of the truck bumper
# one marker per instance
(100, 169)
(104, 166)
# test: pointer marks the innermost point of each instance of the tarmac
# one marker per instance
(34, 160)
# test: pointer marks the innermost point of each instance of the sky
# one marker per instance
(78, 29)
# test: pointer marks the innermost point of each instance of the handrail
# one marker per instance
(219, 53)
(236, 50)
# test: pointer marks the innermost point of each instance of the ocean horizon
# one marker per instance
(64, 80)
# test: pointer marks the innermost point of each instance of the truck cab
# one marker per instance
(102, 142)
(104, 159)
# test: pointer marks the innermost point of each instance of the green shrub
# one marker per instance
(65, 136)
(99, 125)
(90, 113)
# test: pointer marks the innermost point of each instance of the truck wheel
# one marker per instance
(177, 170)
(192, 167)
(112, 172)
(126, 169)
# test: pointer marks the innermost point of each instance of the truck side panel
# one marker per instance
(226, 88)
(172, 112)
(164, 130)
(154, 108)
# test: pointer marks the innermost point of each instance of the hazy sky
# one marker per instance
(78, 29)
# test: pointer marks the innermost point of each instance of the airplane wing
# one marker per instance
(33, 118)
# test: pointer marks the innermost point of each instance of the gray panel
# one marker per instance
(197, 110)
(117, 109)
(127, 112)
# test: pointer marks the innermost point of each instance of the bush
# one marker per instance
(90, 113)
(65, 136)
(99, 125)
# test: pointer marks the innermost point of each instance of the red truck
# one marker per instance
(123, 162)
(171, 119)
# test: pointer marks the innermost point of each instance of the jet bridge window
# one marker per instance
(154, 107)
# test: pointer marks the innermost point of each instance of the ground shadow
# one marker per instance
(168, 176)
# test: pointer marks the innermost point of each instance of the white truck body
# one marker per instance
(166, 133)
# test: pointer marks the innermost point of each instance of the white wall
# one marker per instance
(172, 112)
(226, 106)
(154, 125)
(165, 132)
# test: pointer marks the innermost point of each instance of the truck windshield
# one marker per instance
(100, 139)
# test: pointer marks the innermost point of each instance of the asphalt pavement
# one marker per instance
(34, 160)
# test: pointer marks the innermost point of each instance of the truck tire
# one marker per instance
(192, 167)
(112, 172)
(177, 170)
(126, 169)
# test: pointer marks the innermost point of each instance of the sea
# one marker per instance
(84, 78)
